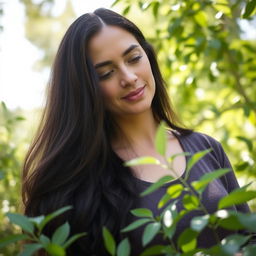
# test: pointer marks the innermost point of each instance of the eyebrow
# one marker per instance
(108, 62)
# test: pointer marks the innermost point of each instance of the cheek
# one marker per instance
(108, 91)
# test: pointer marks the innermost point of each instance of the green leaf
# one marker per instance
(150, 232)
(30, 249)
(231, 244)
(201, 18)
(246, 140)
(157, 185)
(198, 223)
(153, 250)
(248, 221)
(55, 250)
(124, 248)
(249, 250)
(175, 190)
(161, 139)
(109, 241)
(170, 231)
(250, 7)
(202, 183)
(142, 160)
(44, 240)
(231, 222)
(171, 158)
(135, 225)
(21, 221)
(187, 240)
(12, 239)
(194, 159)
(142, 212)
(175, 27)
(222, 6)
(73, 239)
(37, 220)
(190, 202)
(126, 10)
(114, 3)
(155, 8)
(163, 201)
(235, 198)
(61, 234)
(53, 215)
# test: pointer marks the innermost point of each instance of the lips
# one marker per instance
(134, 94)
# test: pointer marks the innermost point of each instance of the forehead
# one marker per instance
(109, 43)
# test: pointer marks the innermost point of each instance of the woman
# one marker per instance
(106, 100)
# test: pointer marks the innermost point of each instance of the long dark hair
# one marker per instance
(71, 161)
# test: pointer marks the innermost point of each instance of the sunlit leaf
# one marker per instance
(161, 139)
(175, 190)
(164, 200)
(55, 250)
(142, 160)
(157, 185)
(187, 240)
(223, 6)
(201, 18)
(190, 202)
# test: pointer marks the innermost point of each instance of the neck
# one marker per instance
(136, 130)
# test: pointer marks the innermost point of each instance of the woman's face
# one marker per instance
(124, 71)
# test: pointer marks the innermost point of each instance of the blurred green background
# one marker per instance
(207, 53)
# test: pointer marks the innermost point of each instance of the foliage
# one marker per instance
(35, 239)
(209, 68)
(165, 224)
(207, 64)
(10, 164)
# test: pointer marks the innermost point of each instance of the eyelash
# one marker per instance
(132, 61)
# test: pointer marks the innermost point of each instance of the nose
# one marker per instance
(128, 77)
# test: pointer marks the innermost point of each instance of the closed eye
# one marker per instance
(105, 75)
(135, 59)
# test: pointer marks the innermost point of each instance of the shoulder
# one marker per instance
(197, 141)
